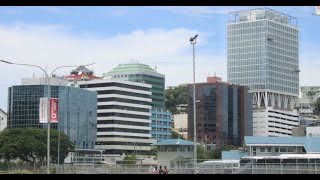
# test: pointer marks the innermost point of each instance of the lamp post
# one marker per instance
(193, 41)
(48, 102)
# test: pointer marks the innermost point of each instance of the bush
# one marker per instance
(19, 172)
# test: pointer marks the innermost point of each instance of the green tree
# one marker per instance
(30, 145)
(201, 153)
(130, 159)
(317, 109)
(153, 151)
(174, 97)
(175, 135)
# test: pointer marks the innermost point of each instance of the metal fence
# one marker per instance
(174, 168)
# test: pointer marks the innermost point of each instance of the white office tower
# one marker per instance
(263, 54)
(123, 124)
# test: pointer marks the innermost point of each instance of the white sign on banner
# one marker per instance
(313, 131)
(318, 10)
(54, 110)
(43, 110)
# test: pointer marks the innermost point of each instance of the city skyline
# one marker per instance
(157, 36)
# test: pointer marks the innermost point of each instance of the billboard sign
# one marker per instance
(43, 110)
(54, 110)
(313, 131)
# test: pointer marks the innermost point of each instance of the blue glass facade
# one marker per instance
(77, 111)
(161, 125)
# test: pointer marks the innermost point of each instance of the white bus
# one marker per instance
(218, 167)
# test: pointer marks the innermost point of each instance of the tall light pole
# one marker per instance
(193, 41)
(48, 102)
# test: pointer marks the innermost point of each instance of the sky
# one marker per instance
(154, 35)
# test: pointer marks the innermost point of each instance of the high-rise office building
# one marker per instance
(77, 111)
(223, 113)
(161, 120)
(142, 73)
(263, 54)
(123, 115)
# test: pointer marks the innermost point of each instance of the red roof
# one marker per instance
(83, 76)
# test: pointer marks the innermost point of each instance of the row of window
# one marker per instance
(280, 128)
(114, 84)
(270, 131)
(252, 24)
(123, 143)
(283, 114)
(123, 93)
(123, 115)
(112, 129)
(120, 136)
(160, 129)
(123, 123)
(283, 119)
(123, 108)
(124, 101)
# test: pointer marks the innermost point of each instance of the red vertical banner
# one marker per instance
(54, 110)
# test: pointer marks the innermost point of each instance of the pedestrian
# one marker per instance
(160, 170)
(155, 170)
(165, 171)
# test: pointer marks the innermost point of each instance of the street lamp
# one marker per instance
(193, 41)
(48, 102)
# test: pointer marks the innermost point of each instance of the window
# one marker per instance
(283, 149)
(268, 149)
(291, 149)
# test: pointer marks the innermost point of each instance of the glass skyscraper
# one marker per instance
(77, 111)
(263, 54)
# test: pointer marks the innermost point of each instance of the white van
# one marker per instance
(218, 167)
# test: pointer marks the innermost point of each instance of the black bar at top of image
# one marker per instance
(161, 2)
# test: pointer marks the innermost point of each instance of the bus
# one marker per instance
(218, 167)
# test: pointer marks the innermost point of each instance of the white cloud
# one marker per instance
(50, 46)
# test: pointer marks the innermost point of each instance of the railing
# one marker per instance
(175, 168)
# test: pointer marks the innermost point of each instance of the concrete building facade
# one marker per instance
(3, 119)
(123, 115)
(181, 124)
(142, 73)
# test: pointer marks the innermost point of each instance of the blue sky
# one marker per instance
(55, 36)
